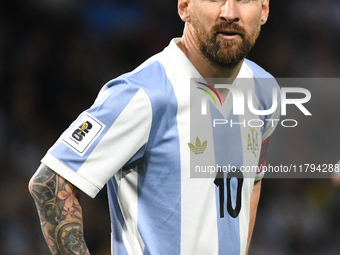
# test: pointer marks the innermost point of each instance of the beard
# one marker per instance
(220, 52)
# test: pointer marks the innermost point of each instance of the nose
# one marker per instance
(229, 11)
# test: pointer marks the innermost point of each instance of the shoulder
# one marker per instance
(263, 80)
(150, 80)
(266, 86)
(147, 74)
(258, 71)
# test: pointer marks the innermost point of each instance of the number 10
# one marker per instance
(219, 182)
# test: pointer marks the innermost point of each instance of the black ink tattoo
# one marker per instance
(60, 213)
(69, 238)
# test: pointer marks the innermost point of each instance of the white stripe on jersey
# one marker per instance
(128, 201)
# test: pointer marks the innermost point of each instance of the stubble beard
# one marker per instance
(220, 52)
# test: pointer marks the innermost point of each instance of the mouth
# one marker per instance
(229, 34)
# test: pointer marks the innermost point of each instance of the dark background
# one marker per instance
(55, 56)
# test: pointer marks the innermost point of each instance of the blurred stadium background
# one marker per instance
(55, 55)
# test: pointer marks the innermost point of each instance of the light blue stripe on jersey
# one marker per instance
(117, 221)
(264, 84)
(159, 179)
(258, 71)
(227, 152)
(118, 95)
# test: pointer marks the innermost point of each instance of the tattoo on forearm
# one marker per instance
(60, 213)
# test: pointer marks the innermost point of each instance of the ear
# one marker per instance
(265, 11)
(183, 10)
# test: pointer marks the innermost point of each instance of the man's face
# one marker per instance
(225, 30)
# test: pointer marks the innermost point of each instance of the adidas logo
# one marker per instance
(199, 148)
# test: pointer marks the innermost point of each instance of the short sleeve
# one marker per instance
(103, 138)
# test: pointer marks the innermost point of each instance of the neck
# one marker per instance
(207, 69)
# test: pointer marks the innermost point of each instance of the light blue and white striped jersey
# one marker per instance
(135, 138)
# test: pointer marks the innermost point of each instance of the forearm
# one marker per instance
(60, 212)
(254, 201)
